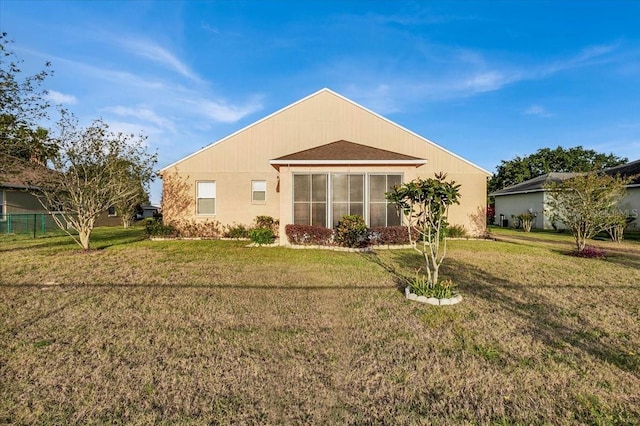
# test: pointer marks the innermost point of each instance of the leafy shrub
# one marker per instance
(261, 235)
(526, 220)
(193, 229)
(307, 234)
(444, 289)
(456, 231)
(352, 231)
(267, 222)
(590, 252)
(155, 228)
(389, 235)
(236, 231)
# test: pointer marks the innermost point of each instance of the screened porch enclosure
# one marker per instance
(322, 199)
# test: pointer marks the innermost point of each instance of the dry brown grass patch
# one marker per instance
(202, 332)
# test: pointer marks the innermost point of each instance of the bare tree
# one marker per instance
(130, 203)
(95, 170)
(584, 203)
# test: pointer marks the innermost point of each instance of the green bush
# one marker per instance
(456, 231)
(236, 231)
(352, 231)
(261, 235)
(444, 289)
(155, 228)
(526, 220)
(267, 222)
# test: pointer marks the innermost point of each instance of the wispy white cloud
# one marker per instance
(221, 111)
(457, 74)
(61, 98)
(538, 111)
(208, 28)
(590, 55)
(143, 113)
(159, 54)
(379, 99)
(161, 94)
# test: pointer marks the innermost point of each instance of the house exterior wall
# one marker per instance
(317, 120)
(516, 204)
(631, 202)
(23, 202)
(17, 201)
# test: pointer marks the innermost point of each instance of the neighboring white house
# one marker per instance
(530, 196)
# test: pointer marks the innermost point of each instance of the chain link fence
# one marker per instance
(34, 224)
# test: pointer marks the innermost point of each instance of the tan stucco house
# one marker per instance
(316, 160)
(530, 196)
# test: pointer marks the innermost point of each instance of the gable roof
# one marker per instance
(533, 185)
(321, 91)
(16, 173)
(626, 170)
(537, 184)
(345, 152)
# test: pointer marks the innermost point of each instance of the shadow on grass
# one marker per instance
(547, 320)
(407, 259)
(100, 240)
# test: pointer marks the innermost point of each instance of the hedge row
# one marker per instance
(307, 234)
(318, 235)
(389, 235)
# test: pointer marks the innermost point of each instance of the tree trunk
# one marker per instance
(85, 235)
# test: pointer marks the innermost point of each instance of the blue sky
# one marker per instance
(486, 80)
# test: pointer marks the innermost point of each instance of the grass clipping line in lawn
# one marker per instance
(207, 332)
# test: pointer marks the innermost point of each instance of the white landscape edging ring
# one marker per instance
(431, 300)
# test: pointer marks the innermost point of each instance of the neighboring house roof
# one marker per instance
(533, 185)
(627, 170)
(343, 152)
(325, 90)
(537, 184)
(16, 173)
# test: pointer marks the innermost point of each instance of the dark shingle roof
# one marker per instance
(626, 170)
(537, 184)
(344, 150)
(20, 174)
(533, 185)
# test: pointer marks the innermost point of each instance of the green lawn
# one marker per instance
(201, 332)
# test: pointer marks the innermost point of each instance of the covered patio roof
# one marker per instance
(346, 153)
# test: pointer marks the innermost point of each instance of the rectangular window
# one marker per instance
(347, 196)
(258, 191)
(206, 198)
(323, 199)
(111, 211)
(2, 216)
(379, 213)
(310, 199)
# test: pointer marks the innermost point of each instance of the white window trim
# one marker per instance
(215, 197)
(254, 190)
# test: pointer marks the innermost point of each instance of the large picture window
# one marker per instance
(323, 199)
(206, 198)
